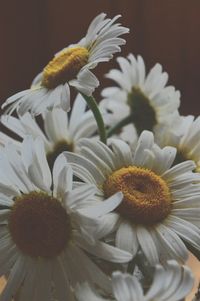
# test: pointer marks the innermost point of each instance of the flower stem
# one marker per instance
(119, 125)
(92, 104)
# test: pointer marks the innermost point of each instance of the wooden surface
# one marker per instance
(195, 266)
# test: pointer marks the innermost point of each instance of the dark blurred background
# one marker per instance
(161, 31)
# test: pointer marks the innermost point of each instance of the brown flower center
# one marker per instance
(64, 66)
(59, 147)
(143, 114)
(147, 197)
(39, 225)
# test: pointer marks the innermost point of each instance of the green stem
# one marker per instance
(119, 125)
(92, 104)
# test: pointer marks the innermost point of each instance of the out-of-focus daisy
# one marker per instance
(61, 132)
(185, 136)
(161, 205)
(71, 67)
(171, 284)
(42, 234)
(145, 98)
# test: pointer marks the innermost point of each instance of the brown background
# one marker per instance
(165, 31)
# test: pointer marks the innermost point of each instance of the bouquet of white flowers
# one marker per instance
(100, 201)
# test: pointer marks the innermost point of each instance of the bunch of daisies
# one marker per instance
(98, 201)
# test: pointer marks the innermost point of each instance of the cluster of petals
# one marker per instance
(160, 241)
(40, 278)
(173, 282)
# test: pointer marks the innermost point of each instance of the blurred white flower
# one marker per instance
(185, 136)
(146, 98)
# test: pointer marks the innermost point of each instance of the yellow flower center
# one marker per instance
(39, 225)
(64, 66)
(147, 198)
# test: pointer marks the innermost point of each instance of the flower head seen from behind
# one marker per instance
(160, 208)
(172, 283)
(145, 98)
(43, 236)
(71, 67)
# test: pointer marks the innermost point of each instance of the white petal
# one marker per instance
(38, 168)
(62, 177)
(122, 152)
(80, 197)
(90, 155)
(81, 267)
(126, 238)
(107, 224)
(77, 112)
(186, 285)
(101, 150)
(28, 288)
(15, 279)
(186, 230)
(172, 242)
(61, 282)
(65, 98)
(15, 97)
(105, 251)
(104, 207)
(86, 164)
(147, 245)
(126, 287)
(84, 292)
(156, 289)
(178, 170)
(56, 125)
(145, 141)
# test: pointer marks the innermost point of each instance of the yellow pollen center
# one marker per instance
(39, 225)
(147, 198)
(64, 66)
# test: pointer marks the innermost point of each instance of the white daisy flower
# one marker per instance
(145, 98)
(42, 233)
(161, 205)
(60, 130)
(71, 67)
(171, 284)
(185, 136)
